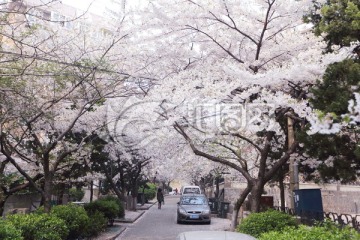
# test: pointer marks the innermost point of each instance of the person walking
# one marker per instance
(160, 197)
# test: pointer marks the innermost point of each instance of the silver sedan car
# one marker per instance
(193, 208)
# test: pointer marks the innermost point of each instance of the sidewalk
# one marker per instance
(130, 216)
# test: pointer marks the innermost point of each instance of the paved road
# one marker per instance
(160, 224)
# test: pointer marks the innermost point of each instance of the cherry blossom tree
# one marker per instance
(59, 81)
(123, 169)
(223, 52)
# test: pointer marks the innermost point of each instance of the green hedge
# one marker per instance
(97, 224)
(63, 222)
(110, 209)
(39, 226)
(9, 232)
(121, 212)
(312, 233)
(149, 191)
(76, 194)
(257, 223)
(75, 217)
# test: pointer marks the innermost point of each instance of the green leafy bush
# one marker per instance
(39, 226)
(97, 224)
(110, 209)
(149, 191)
(312, 233)
(121, 212)
(39, 210)
(76, 194)
(8, 231)
(257, 223)
(75, 217)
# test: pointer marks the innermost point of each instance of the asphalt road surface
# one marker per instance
(160, 224)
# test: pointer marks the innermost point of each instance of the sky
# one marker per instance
(96, 6)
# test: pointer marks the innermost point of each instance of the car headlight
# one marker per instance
(206, 211)
(182, 211)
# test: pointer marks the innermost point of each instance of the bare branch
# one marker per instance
(216, 42)
(196, 151)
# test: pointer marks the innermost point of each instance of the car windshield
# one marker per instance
(191, 190)
(193, 200)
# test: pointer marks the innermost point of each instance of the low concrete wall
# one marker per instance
(336, 198)
(23, 201)
(32, 201)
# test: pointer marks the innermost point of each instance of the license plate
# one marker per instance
(194, 216)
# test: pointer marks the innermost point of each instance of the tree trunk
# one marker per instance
(256, 193)
(143, 196)
(61, 193)
(238, 204)
(92, 190)
(2, 204)
(47, 192)
(134, 194)
(113, 186)
(282, 193)
(234, 218)
(129, 202)
(134, 203)
(217, 187)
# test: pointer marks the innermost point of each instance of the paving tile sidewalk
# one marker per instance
(130, 216)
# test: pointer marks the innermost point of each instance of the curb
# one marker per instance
(144, 207)
(122, 229)
(127, 220)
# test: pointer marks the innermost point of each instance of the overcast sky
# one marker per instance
(96, 6)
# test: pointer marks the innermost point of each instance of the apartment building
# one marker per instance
(59, 15)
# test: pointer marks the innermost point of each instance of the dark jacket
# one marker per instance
(160, 196)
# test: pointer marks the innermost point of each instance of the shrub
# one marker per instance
(39, 210)
(75, 217)
(121, 212)
(150, 191)
(97, 224)
(39, 226)
(257, 223)
(110, 209)
(76, 194)
(8, 231)
(312, 233)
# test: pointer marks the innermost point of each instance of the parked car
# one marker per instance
(193, 208)
(190, 190)
(213, 235)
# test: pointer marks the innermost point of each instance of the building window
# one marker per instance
(3, 3)
(37, 16)
(57, 18)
